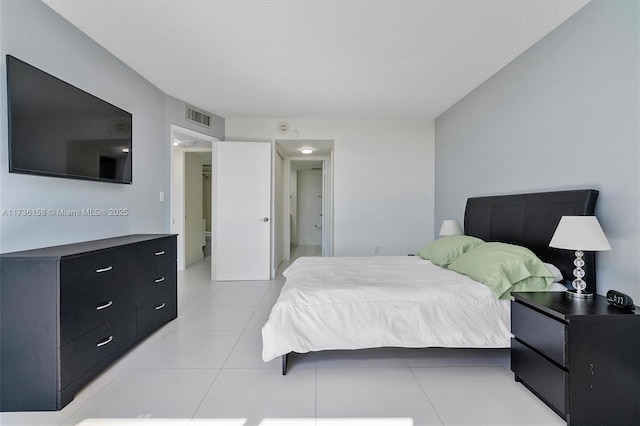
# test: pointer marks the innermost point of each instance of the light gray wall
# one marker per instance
(382, 179)
(31, 31)
(563, 115)
(177, 114)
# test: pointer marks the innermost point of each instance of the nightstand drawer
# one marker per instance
(546, 379)
(87, 312)
(83, 274)
(545, 334)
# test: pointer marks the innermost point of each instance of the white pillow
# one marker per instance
(557, 275)
(557, 287)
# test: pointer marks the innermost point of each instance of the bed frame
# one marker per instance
(528, 220)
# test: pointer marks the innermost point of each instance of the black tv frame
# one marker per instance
(126, 177)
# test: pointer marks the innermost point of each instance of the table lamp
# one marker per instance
(579, 233)
(450, 227)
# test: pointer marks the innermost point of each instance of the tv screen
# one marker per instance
(56, 129)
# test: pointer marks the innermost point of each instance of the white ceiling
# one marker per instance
(317, 59)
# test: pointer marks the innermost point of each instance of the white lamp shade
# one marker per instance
(579, 233)
(450, 227)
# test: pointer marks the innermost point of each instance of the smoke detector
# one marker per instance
(283, 127)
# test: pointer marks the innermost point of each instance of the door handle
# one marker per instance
(266, 219)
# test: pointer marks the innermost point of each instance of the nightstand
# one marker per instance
(581, 357)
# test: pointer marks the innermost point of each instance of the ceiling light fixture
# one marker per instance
(306, 150)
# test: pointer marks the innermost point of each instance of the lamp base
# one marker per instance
(581, 295)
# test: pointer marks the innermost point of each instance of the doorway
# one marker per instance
(306, 208)
(304, 200)
(207, 203)
(191, 152)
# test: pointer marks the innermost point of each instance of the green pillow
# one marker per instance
(445, 250)
(504, 268)
(530, 284)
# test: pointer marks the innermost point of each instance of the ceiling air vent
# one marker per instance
(197, 116)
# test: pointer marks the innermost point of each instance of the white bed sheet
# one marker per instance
(382, 301)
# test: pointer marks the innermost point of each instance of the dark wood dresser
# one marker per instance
(580, 356)
(69, 311)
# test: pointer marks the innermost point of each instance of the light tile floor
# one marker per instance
(205, 368)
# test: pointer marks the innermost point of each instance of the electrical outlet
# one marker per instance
(376, 250)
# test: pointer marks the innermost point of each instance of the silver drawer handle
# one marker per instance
(105, 342)
(159, 280)
(108, 268)
(159, 253)
(160, 307)
(106, 305)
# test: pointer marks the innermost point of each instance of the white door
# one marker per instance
(243, 211)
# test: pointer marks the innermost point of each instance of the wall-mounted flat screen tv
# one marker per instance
(56, 129)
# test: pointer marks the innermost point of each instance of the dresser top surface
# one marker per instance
(559, 304)
(73, 249)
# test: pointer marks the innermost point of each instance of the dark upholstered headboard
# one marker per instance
(530, 220)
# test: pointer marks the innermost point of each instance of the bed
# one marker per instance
(411, 301)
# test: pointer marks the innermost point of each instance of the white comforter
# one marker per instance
(365, 302)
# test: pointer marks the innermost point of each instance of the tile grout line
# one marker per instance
(204, 396)
(222, 367)
(427, 396)
(315, 405)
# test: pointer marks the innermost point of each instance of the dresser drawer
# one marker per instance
(156, 281)
(542, 376)
(544, 333)
(88, 272)
(88, 350)
(154, 253)
(157, 309)
(85, 313)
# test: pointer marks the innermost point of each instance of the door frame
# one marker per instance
(204, 143)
